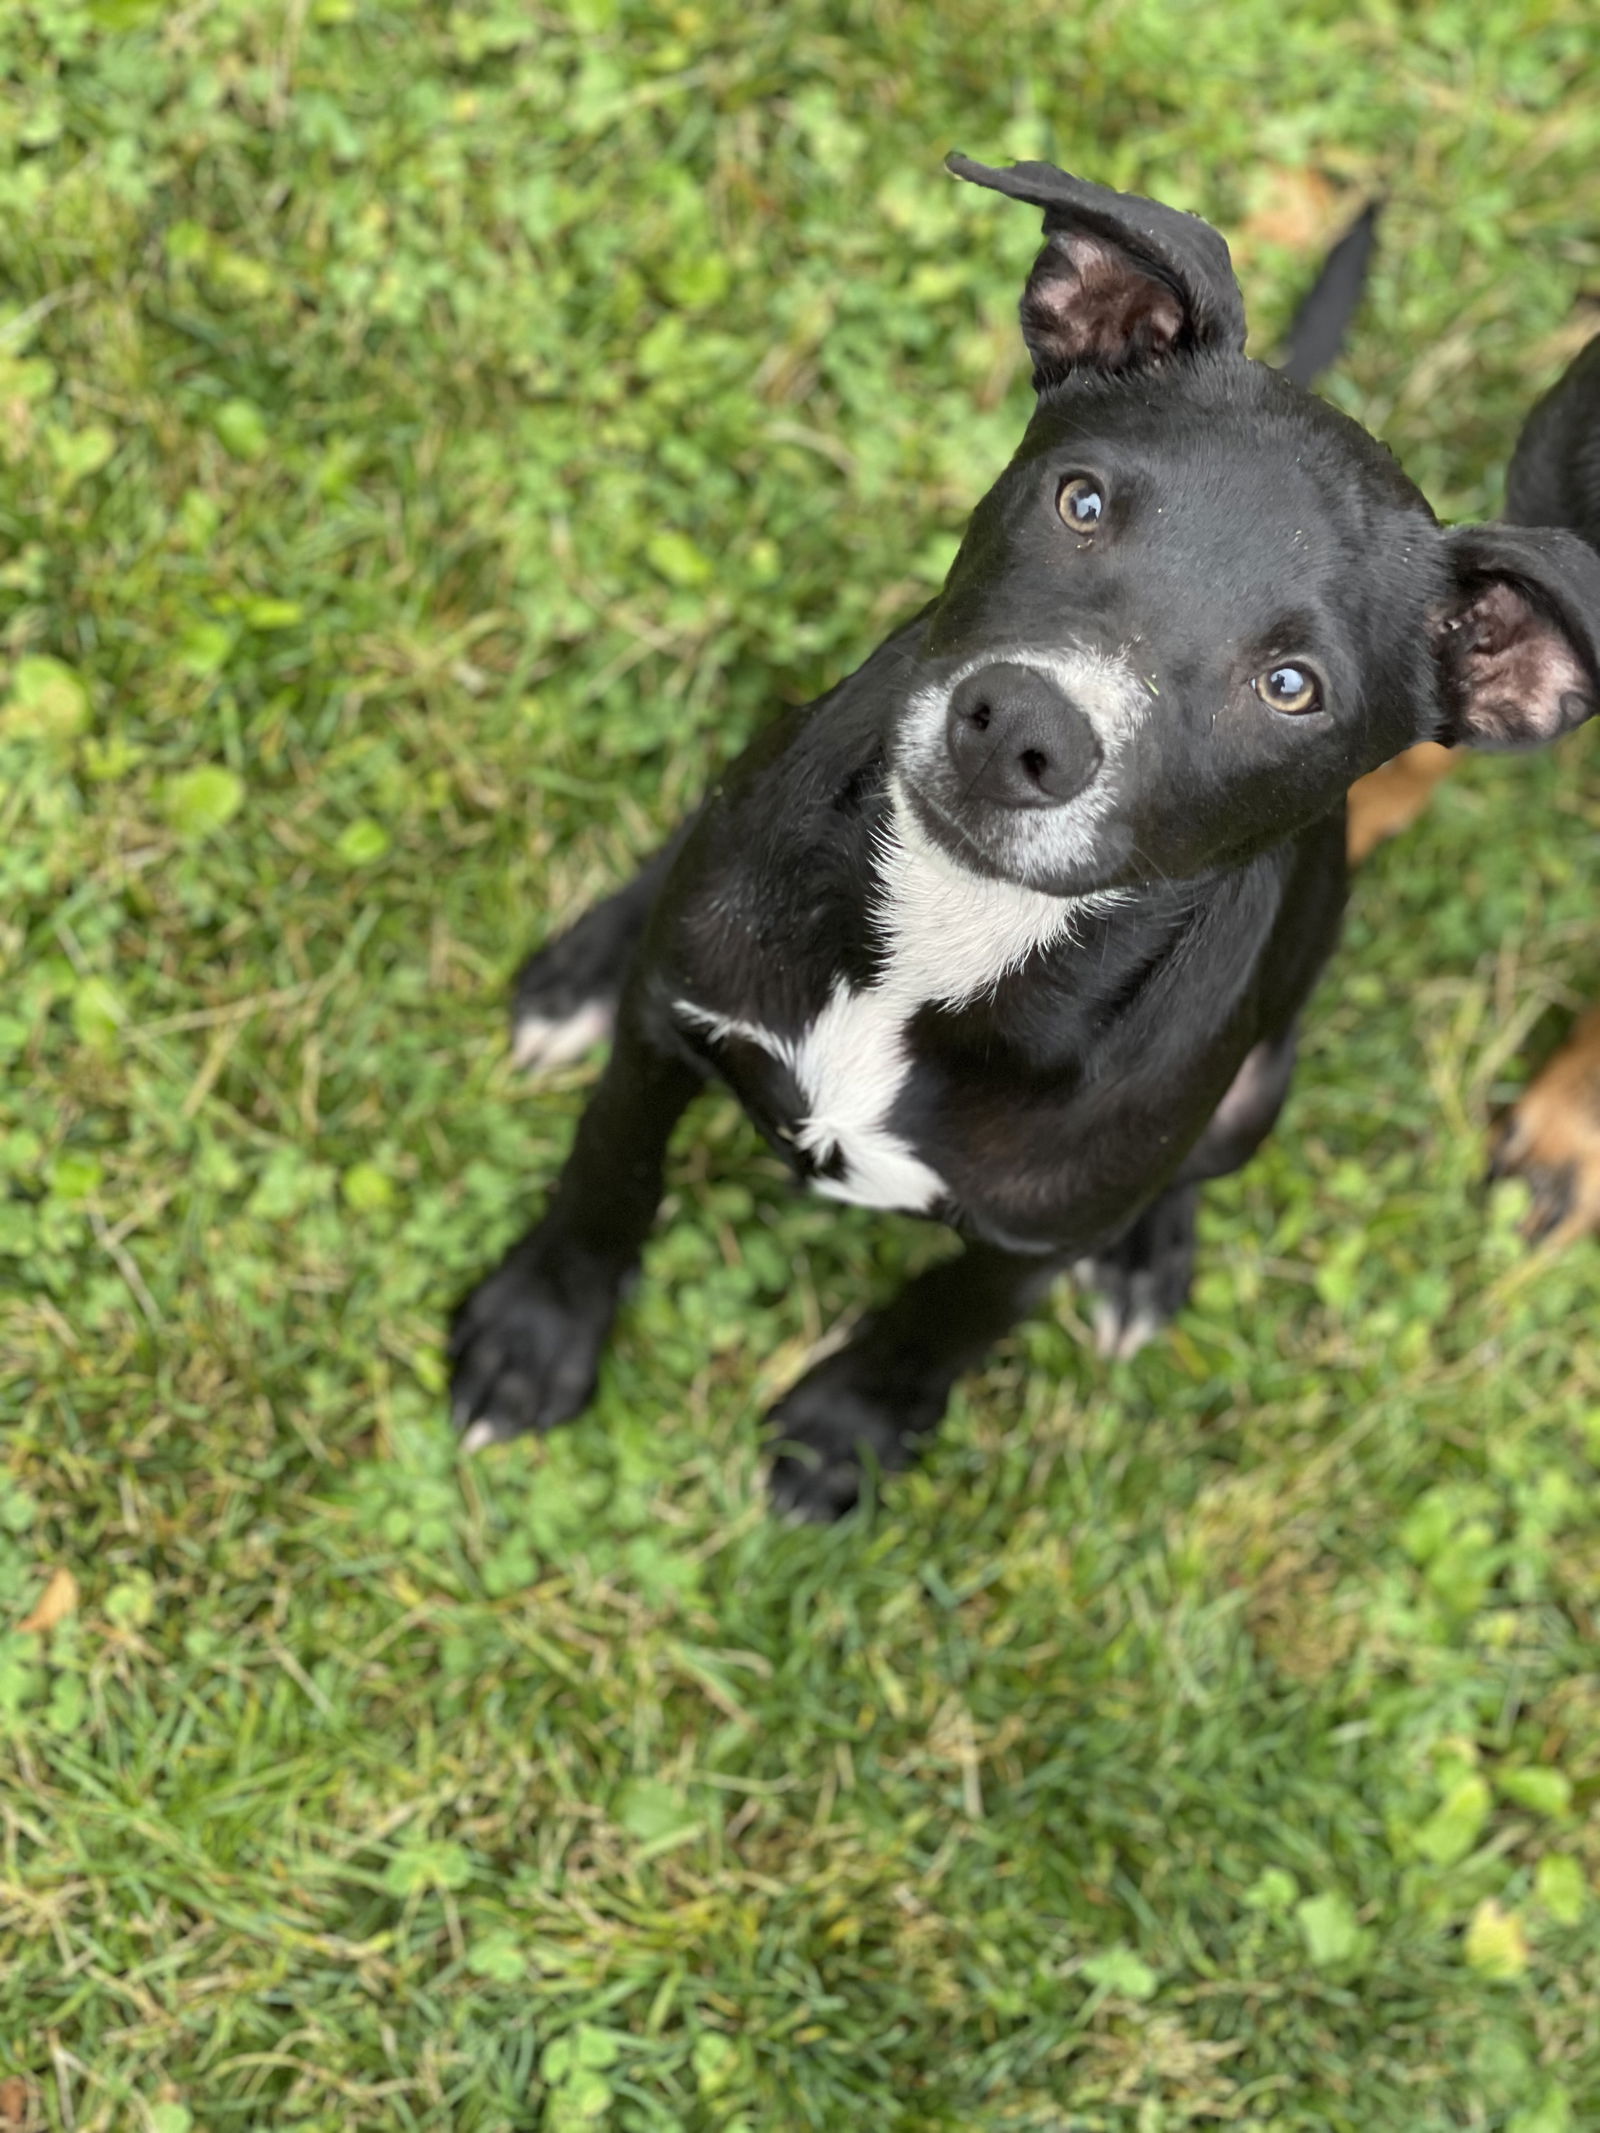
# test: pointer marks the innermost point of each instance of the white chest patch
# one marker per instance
(950, 936)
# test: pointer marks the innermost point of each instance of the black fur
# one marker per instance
(1071, 1109)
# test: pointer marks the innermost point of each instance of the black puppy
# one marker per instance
(1013, 926)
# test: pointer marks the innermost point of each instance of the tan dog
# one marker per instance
(1551, 1136)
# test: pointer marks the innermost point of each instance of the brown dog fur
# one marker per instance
(1389, 800)
(1551, 1135)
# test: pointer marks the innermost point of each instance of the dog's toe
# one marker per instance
(828, 1436)
(1128, 1322)
(1551, 1140)
(480, 1434)
(541, 1043)
(1130, 1305)
(564, 998)
(1143, 1281)
(814, 1490)
(525, 1351)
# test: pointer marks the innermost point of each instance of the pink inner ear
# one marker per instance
(1100, 307)
(1517, 672)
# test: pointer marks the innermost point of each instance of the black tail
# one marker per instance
(1318, 332)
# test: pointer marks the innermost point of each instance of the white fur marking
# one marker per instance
(950, 936)
(1107, 689)
(1119, 1340)
(541, 1044)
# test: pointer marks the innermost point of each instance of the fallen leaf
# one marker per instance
(1453, 1829)
(1553, 2115)
(1495, 1945)
(1119, 1970)
(48, 701)
(58, 1600)
(15, 2111)
(1298, 208)
(1332, 1934)
(1543, 1790)
(1559, 1885)
(203, 800)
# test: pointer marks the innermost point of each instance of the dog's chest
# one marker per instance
(948, 938)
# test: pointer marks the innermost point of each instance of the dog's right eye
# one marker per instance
(1081, 503)
(1289, 688)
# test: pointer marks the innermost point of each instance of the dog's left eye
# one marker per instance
(1081, 502)
(1289, 688)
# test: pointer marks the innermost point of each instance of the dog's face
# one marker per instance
(1200, 603)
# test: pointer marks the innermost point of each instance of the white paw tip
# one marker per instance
(541, 1044)
(1118, 1339)
(481, 1433)
(1140, 1330)
(1106, 1320)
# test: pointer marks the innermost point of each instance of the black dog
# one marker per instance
(1013, 926)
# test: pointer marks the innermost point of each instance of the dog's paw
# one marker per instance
(1551, 1138)
(525, 1345)
(827, 1434)
(1129, 1305)
(557, 1011)
(541, 1044)
(564, 1001)
(1142, 1282)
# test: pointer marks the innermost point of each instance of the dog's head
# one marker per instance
(1199, 603)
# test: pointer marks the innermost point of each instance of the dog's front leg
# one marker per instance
(876, 1401)
(1142, 1281)
(564, 999)
(525, 1344)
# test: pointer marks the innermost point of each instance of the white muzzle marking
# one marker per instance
(1040, 841)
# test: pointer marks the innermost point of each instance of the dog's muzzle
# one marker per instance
(1017, 739)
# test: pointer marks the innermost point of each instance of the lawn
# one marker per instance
(433, 438)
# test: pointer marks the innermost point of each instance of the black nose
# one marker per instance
(1015, 737)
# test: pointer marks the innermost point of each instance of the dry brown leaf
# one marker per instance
(58, 1600)
(1298, 208)
(16, 2111)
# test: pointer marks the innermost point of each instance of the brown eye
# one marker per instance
(1081, 502)
(1289, 688)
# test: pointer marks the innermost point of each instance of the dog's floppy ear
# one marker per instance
(1518, 637)
(1122, 281)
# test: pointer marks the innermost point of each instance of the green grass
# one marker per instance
(433, 437)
